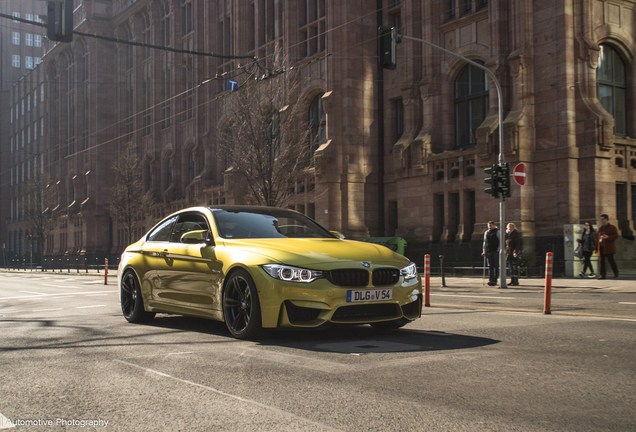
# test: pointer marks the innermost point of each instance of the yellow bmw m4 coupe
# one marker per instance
(263, 267)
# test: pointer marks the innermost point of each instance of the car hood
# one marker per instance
(314, 252)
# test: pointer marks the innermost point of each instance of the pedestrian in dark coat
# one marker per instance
(607, 236)
(588, 246)
(491, 252)
(513, 251)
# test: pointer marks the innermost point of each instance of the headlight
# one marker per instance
(292, 274)
(409, 272)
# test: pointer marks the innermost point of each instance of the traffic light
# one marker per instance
(504, 179)
(59, 21)
(386, 48)
(493, 181)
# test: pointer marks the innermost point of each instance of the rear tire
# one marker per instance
(132, 302)
(241, 308)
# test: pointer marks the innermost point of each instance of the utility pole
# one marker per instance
(502, 206)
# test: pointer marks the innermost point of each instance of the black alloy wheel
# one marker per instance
(241, 308)
(132, 303)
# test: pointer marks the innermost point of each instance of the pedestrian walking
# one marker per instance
(513, 251)
(588, 247)
(607, 235)
(491, 252)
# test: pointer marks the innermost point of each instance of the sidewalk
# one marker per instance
(625, 283)
(112, 272)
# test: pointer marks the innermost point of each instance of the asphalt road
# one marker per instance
(67, 355)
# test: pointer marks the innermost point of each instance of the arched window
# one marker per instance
(317, 124)
(471, 104)
(610, 79)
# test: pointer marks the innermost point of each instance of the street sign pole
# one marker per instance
(502, 206)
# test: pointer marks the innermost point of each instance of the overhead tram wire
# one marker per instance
(203, 82)
(126, 42)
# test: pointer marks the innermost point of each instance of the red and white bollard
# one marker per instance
(427, 280)
(547, 299)
(106, 272)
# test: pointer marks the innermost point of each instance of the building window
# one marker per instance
(17, 15)
(16, 38)
(190, 167)
(228, 145)
(471, 104)
(28, 62)
(317, 124)
(28, 40)
(15, 61)
(621, 202)
(186, 15)
(312, 27)
(610, 79)
(168, 173)
(37, 40)
(451, 8)
(399, 118)
(149, 177)
(37, 60)
(29, 17)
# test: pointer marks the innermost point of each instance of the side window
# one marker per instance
(163, 230)
(188, 222)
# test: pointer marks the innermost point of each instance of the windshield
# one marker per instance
(266, 223)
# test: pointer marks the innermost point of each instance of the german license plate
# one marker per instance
(369, 295)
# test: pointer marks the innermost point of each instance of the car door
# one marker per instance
(190, 274)
(154, 251)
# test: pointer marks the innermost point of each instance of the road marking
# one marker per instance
(231, 396)
(47, 310)
(626, 302)
(473, 296)
(96, 295)
(54, 295)
(33, 292)
(85, 307)
(60, 286)
(94, 282)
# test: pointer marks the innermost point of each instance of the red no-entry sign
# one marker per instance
(519, 174)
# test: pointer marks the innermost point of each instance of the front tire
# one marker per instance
(132, 303)
(241, 308)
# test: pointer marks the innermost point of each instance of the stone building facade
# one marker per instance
(402, 151)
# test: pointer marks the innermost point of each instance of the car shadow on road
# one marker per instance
(367, 340)
(347, 339)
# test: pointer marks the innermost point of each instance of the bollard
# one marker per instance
(441, 268)
(547, 299)
(106, 272)
(427, 280)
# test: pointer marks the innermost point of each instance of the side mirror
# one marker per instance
(197, 237)
(337, 234)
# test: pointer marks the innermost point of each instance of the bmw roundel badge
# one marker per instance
(367, 265)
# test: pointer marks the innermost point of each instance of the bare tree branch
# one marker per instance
(128, 200)
(270, 135)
